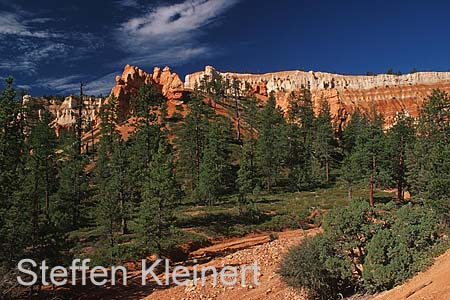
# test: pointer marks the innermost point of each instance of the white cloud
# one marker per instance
(169, 34)
(34, 55)
(63, 84)
(12, 24)
(71, 84)
(128, 3)
(102, 85)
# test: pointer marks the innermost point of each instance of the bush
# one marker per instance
(363, 249)
(311, 266)
(397, 253)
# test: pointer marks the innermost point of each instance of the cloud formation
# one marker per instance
(13, 24)
(169, 33)
(71, 84)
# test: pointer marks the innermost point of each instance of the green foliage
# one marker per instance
(191, 142)
(215, 167)
(428, 161)
(363, 249)
(271, 143)
(397, 253)
(159, 197)
(324, 144)
(400, 140)
(312, 265)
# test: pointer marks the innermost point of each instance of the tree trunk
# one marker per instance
(350, 191)
(327, 170)
(400, 179)
(47, 195)
(238, 119)
(124, 220)
(371, 190)
(372, 181)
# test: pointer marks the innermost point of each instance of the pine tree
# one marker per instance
(73, 187)
(14, 215)
(145, 106)
(428, 162)
(159, 196)
(113, 170)
(215, 167)
(270, 154)
(41, 171)
(304, 167)
(371, 155)
(401, 138)
(324, 142)
(236, 88)
(355, 154)
(191, 142)
(114, 196)
(247, 179)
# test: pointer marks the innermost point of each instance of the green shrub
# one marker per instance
(363, 249)
(311, 266)
(387, 263)
(397, 253)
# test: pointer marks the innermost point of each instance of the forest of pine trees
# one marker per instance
(130, 187)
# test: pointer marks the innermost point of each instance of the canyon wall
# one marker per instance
(133, 77)
(386, 93)
(63, 113)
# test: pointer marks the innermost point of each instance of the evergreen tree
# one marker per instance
(370, 154)
(324, 141)
(270, 147)
(145, 106)
(114, 171)
(215, 168)
(113, 205)
(428, 163)
(303, 165)
(41, 169)
(236, 90)
(247, 176)
(159, 195)
(73, 187)
(401, 138)
(191, 142)
(14, 216)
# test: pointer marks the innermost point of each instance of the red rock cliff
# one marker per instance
(386, 93)
(132, 78)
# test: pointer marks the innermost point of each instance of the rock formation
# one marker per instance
(132, 78)
(63, 113)
(386, 93)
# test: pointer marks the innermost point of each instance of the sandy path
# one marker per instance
(433, 284)
(257, 249)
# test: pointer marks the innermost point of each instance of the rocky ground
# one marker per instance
(268, 255)
(433, 284)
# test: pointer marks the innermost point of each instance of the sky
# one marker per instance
(50, 46)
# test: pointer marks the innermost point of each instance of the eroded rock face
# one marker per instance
(133, 78)
(63, 113)
(386, 93)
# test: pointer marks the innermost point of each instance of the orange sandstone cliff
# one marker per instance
(132, 78)
(388, 94)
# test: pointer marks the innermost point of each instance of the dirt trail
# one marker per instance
(257, 248)
(433, 284)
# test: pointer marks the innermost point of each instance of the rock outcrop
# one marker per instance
(386, 93)
(132, 78)
(63, 113)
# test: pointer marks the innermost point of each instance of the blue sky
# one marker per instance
(49, 46)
